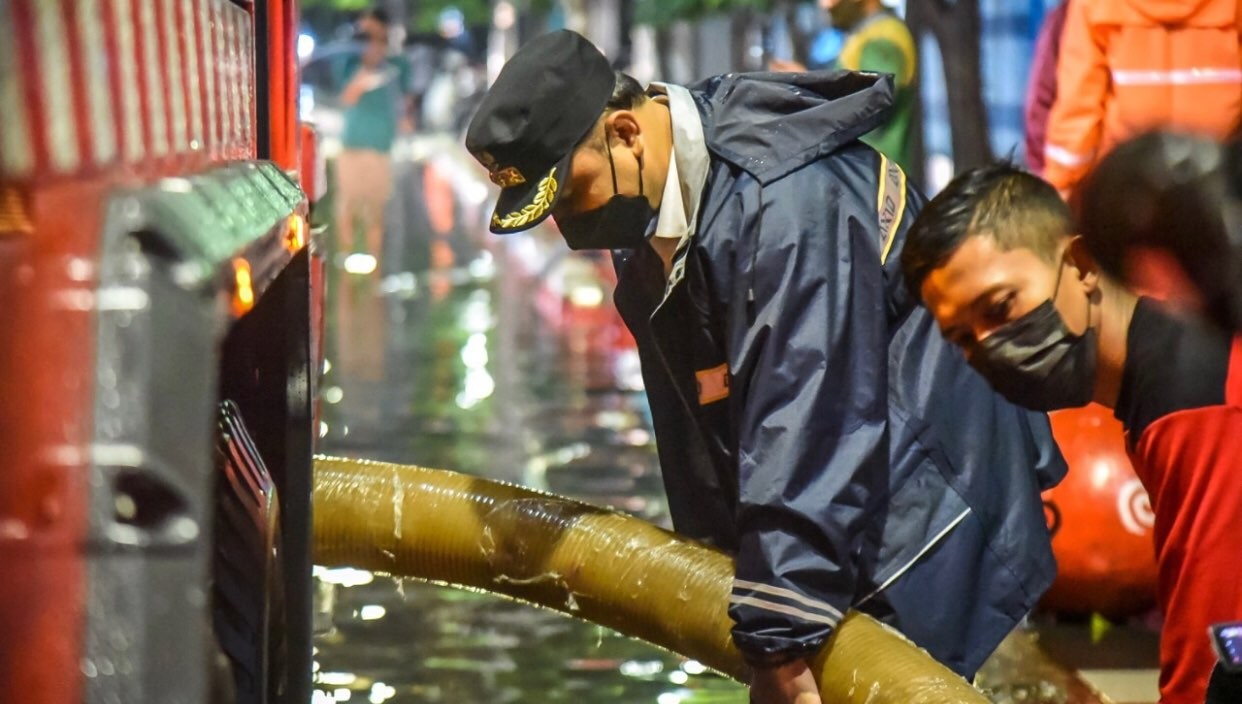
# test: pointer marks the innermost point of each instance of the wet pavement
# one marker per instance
(498, 358)
(503, 358)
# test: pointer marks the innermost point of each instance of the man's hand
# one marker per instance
(791, 683)
(364, 80)
(785, 66)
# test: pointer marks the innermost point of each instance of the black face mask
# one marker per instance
(621, 223)
(1036, 362)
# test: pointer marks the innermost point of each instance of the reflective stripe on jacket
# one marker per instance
(1128, 66)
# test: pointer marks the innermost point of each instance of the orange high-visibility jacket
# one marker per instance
(1128, 66)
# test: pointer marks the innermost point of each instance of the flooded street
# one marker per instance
(504, 358)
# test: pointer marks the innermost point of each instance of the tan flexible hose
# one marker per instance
(593, 563)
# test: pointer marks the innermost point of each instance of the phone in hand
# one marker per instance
(1227, 641)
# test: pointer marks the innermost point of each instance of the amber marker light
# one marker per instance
(295, 234)
(243, 287)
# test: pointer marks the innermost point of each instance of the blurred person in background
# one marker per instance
(376, 107)
(1041, 90)
(1163, 213)
(451, 26)
(448, 72)
(1129, 66)
(876, 40)
(995, 259)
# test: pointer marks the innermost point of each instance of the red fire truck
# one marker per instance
(157, 357)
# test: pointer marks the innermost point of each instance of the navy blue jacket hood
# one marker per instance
(769, 124)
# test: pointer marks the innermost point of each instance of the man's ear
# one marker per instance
(626, 128)
(1087, 270)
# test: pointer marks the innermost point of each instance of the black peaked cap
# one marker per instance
(546, 99)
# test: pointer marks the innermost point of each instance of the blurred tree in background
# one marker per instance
(417, 15)
(661, 13)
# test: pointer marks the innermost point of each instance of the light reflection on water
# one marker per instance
(438, 644)
(511, 376)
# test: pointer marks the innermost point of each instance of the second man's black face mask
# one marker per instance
(621, 223)
(1036, 362)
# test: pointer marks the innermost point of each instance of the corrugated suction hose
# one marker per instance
(589, 562)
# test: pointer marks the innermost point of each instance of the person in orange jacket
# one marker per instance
(1129, 66)
(1041, 89)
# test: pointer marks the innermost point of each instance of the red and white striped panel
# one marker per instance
(87, 85)
(16, 156)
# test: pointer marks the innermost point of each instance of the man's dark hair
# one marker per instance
(627, 94)
(1161, 190)
(1012, 206)
(1168, 192)
(379, 14)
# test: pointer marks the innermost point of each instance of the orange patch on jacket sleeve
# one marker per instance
(713, 384)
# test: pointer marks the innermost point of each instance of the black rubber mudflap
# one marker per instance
(247, 592)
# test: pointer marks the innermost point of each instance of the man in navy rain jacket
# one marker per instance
(809, 417)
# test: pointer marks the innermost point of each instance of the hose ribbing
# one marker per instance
(589, 562)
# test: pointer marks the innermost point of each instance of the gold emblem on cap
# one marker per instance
(506, 177)
(544, 194)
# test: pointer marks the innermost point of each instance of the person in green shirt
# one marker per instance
(878, 41)
(376, 108)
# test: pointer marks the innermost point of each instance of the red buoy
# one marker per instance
(1101, 520)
